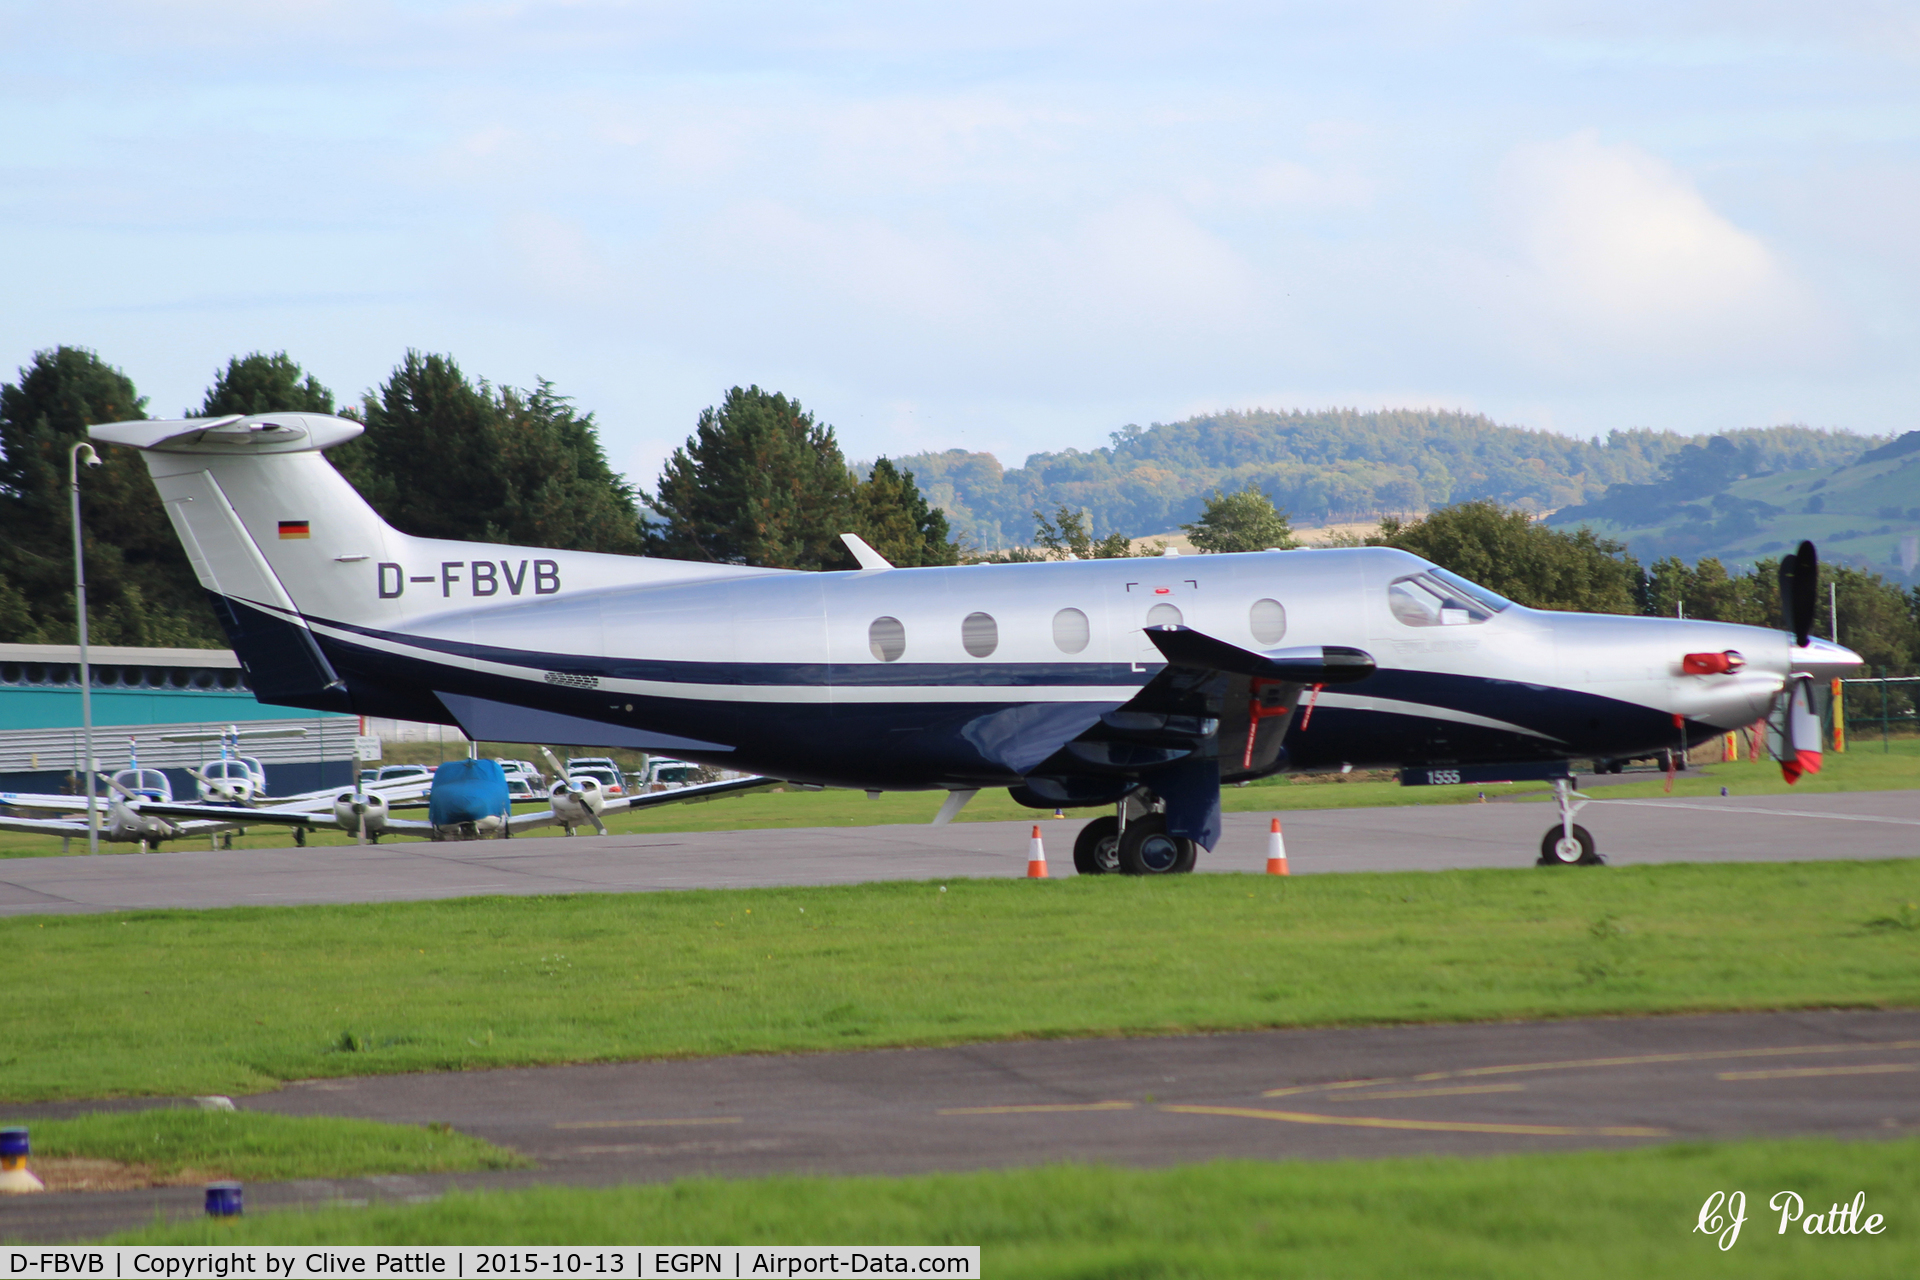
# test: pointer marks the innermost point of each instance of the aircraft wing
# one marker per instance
(323, 798)
(236, 815)
(45, 826)
(629, 804)
(77, 827)
(57, 804)
(689, 795)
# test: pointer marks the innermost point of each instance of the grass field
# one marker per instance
(1866, 768)
(1587, 1214)
(232, 1001)
(256, 1145)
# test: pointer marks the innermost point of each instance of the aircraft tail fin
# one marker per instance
(236, 488)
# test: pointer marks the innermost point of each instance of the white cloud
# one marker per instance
(1613, 249)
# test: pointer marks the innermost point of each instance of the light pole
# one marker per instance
(80, 613)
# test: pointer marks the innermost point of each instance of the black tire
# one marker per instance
(1095, 849)
(1579, 854)
(1147, 850)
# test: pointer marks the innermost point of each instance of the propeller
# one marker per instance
(1799, 592)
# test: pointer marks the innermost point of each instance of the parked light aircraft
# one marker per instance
(233, 778)
(1142, 684)
(139, 808)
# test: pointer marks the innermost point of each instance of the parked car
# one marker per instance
(524, 769)
(393, 772)
(602, 769)
(667, 774)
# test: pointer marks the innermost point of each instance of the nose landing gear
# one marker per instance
(1567, 844)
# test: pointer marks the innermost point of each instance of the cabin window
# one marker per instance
(887, 638)
(980, 634)
(1070, 631)
(1164, 615)
(1268, 618)
(1437, 598)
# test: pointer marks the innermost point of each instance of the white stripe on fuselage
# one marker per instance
(1394, 706)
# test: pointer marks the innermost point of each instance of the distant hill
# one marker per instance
(1714, 499)
(1326, 466)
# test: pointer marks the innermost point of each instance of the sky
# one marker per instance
(1001, 226)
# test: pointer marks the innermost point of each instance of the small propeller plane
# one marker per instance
(233, 778)
(1143, 685)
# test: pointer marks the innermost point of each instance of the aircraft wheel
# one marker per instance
(1096, 850)
(1147, 850)
(1558, 851)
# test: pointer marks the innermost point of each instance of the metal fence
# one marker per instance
(1878, 706)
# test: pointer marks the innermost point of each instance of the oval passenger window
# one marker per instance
(980, 634)
(1269, 621)
(1070, 631)
(1163, 615)
(887, 638)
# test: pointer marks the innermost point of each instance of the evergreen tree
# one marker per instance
(895, 519)
(1243, 521)
(443, 457)
(140, 588)
(759, 482)
(261, 383)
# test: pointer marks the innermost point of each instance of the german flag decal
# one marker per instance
(295, 529)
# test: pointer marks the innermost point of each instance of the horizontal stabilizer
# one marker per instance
(264, 432)
(1315, 664)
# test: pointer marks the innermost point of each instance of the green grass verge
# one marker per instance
(1865, 768)
(257, 1145)
(233, 1001)
(1585, 1214)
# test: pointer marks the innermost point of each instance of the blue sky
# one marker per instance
(994, 226)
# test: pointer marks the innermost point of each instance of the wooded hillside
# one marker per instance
(1325, 465)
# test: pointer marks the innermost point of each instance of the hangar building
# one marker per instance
(141, 694)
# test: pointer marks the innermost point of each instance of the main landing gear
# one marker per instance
(1568, 844)
(1139, 846)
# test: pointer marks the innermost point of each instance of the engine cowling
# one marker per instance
(375, 811)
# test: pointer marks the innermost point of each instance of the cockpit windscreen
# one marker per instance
(1436, 598)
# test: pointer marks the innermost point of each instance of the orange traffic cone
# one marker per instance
(1276, 851)
(1036, 858)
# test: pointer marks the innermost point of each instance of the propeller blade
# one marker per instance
(1799, 592)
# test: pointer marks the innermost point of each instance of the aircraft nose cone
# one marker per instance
(1823, 659)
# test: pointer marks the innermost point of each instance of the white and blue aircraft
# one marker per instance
(1140, 684)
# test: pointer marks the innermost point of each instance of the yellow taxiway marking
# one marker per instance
(1790, 1073)
(1049, 1106)
(644, 1124)
(1446, 1092)
(1636, 1060)
(1428, 1126)
(1702, 1056)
